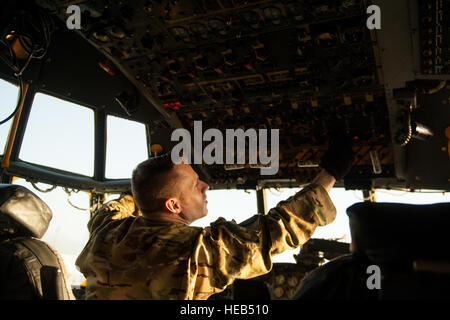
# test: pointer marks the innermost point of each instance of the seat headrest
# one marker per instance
(22, 213)
(388, 232)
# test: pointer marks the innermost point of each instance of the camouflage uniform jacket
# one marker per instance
(129, 256)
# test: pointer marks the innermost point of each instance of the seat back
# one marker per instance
(29, 267)
(342, 278)
(389, 232)
(409, 244)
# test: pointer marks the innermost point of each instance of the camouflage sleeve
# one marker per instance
(229, 250)
(293, 221)
(118, 209)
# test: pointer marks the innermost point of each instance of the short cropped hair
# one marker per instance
(150, 183)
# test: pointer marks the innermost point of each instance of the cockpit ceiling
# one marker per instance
(308, 68)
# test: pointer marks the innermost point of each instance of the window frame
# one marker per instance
(36, 172)
(147, 141)
(12, 82)
(52, 168)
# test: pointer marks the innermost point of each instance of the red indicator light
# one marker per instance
(173, 105)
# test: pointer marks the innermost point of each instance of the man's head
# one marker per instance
(160, 186)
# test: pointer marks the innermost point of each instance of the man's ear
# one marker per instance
(173, 205)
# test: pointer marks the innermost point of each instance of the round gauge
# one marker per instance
(199, 29)
(217, 26)
(327, 39)
(294, 9)
(279, 279)
(278, 292)
(100, 36)
(117, 32)
(250, 17)
(292, 281)
(174, 67)
(180, 32)
(272, 13)
(201, 63)
(290, 293)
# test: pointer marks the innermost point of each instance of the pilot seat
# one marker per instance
(407, 245)
(29, 268)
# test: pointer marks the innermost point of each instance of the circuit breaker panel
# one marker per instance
(308, 68)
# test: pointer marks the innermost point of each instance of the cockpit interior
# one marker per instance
(376, 70)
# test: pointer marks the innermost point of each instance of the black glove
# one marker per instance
(338, 159)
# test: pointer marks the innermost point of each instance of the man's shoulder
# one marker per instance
(116, 209)
(124, 206)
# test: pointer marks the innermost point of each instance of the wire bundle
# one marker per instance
(32, 29)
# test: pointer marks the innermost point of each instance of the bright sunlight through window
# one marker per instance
(60, 135)
(238, 205)
(126, 147)
(9, 94)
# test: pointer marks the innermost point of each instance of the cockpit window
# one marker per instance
(238, 205)
(9, 95)
(60, 135)
(241, 205)
(418, 197)
(126, 147)
(337, 230)
(342, 199)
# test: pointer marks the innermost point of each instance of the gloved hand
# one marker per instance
(338, 159)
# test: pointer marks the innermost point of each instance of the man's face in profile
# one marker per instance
(192, 193)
